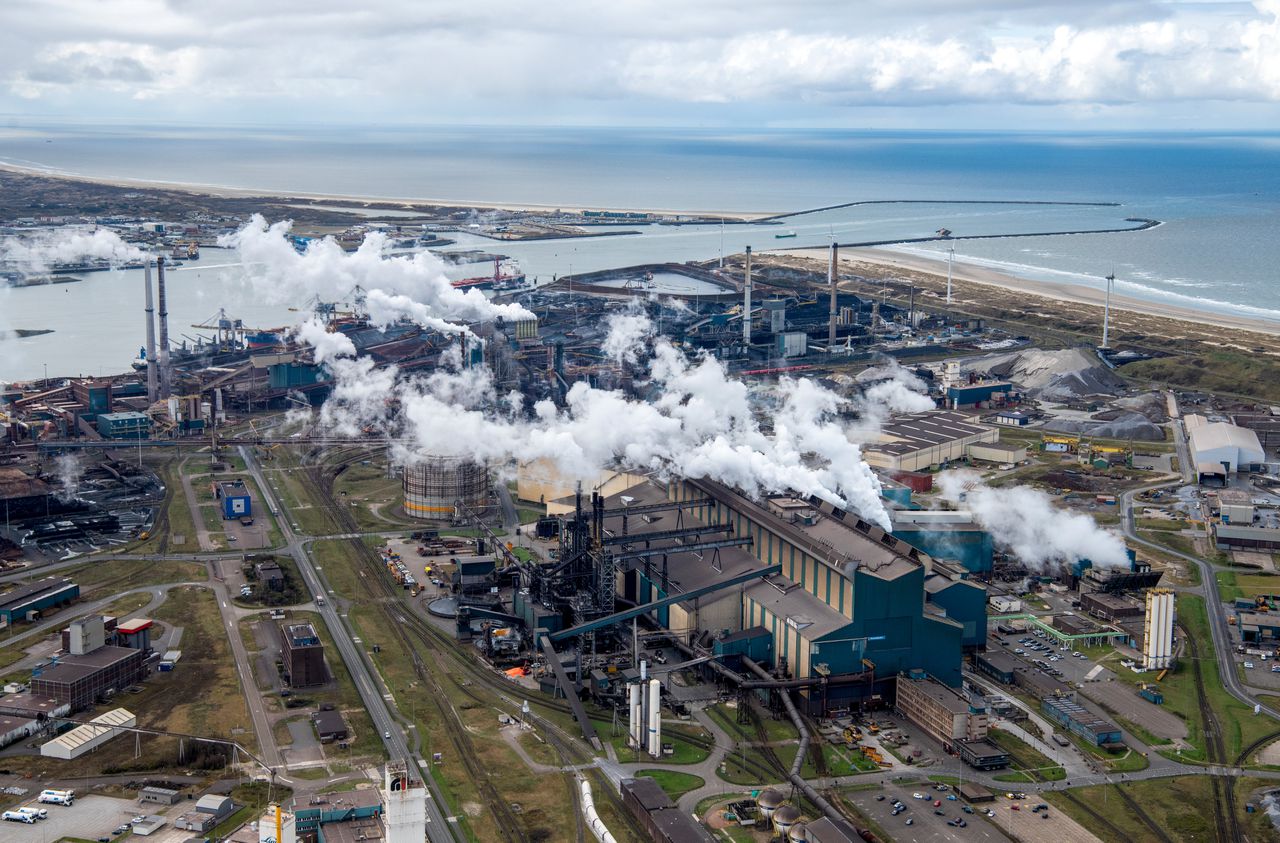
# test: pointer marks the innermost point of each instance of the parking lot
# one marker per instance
(89, 818)
(925, 824)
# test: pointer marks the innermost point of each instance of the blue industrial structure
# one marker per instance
(236, 501)
(124, 425)
(969, 395)
(26, 602)
(1081, 721)
(972, 548)
(962, 601)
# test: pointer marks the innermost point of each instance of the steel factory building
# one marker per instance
(848, 601)
(26, 602)
(80, 680)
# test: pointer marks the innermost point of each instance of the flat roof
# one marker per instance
(28, 591)
(983, 749)
(9, 724)
(72, 667)
(939, 693)
(929, 428)
(329, 721)
(301, 634)
(30, 702)
(128, 415)
(135, 625)
(356, 831)
(16, 483)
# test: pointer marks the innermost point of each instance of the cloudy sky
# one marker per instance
(1094, 64)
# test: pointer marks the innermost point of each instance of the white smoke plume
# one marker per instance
(404, 286)
(67, 469)
(893, 389)
(629, 330)
(1025, 522)
(67, 245)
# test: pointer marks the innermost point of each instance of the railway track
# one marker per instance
(1226, 821)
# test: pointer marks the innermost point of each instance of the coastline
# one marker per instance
(399, 203)
(1065, 292)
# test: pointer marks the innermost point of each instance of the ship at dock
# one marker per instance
(505, 277)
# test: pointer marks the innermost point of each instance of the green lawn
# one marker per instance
(1233, 584)
(675, 784)
(1028, 764)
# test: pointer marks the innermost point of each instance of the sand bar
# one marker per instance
(1064, 292)
(400, 202)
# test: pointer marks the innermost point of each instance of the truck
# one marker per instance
(319, 599)
(1060, 740)
(57, 797)
(18, 817)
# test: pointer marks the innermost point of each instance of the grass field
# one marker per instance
(1028, 764)
(1233, 584)
(1179, 806)
(674, 783)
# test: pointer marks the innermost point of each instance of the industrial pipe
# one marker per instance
(597, 826)
(746, 302)
(795, 777)
(152, 382)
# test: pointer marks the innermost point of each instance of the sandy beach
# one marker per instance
(1071, 293)
(397, 203)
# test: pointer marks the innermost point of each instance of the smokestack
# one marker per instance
(166, 384)
(152, 394)
(833, 275)
(746, 303)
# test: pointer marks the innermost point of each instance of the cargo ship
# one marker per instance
(185, 252)
(784, 235)
(500, 280)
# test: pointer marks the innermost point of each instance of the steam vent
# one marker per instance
(443, 488)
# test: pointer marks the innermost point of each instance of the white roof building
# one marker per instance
(84, 738)
(1223, 443)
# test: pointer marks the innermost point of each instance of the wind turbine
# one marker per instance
(1106, 313)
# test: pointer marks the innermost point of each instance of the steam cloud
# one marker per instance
(1025, 522)
(42, 250)
(68, 470)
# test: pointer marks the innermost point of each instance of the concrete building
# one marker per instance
(406, 801)
(135, 634)
(1232, 536)
(197, 821)
(85, 636)
(1157, 639)
(216, 805)
(80, 681)
(332, 810)
(303, 655)
(1235, 506)
(1223, 444)
(1083, 722)
(14, 729)
(129, 425)
(919, 441)
(997, 452)
(235, 498)
(27, 602)
(1110, 607)
(330, 726)
(32, 707)
(946, 714)
(88, 737)
(159, 796)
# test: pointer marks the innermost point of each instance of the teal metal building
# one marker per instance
(124, 425)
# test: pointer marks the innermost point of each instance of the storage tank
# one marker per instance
(435, 486)
(784, 818)
(798, 833)
(769, 801)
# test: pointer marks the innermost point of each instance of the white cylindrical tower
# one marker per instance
(655, 718)
(636, 722)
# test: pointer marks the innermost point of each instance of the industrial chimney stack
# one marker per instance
(152, 394)
(746, 303)
(833, 277)
(166, 381)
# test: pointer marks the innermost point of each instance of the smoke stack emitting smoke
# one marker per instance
(1025, 522)
(700, 424)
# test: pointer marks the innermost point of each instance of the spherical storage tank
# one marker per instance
(798, 832)
(435, 486)
(769, 800)
(784, 818)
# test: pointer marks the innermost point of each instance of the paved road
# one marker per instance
(1208, 588)
(376, 698)
(244, 669)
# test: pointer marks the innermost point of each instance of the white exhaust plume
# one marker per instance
(629, 329)
(1025, 522)
(46, 248)
(68, 470)
(893, 389)
(405, 286)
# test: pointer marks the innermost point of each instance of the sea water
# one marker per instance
(1217, 196)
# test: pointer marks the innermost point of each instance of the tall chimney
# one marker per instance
(833, 277)
(166, 379)
(152, 394)
(746, 303)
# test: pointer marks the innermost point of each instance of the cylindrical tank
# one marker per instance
(769, 800)
(784, 818)
(797, 832)
(439, 488)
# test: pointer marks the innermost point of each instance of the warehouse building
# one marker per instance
(303, 655)
(330, 726)
(1223, 444)
(14, 729)
(27, 602)
(1083, 722)
(847, 592)
(920, 441)
(654, 812)
(32, 707)
(1242, 537)
(949, 716)
(88, 737)
(129, 425)
(1111, 607)
(80, 681)
(21, 495)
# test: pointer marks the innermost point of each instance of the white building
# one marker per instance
(1157, 640)
(90, 736)
(1223, 444)
(406, 800)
